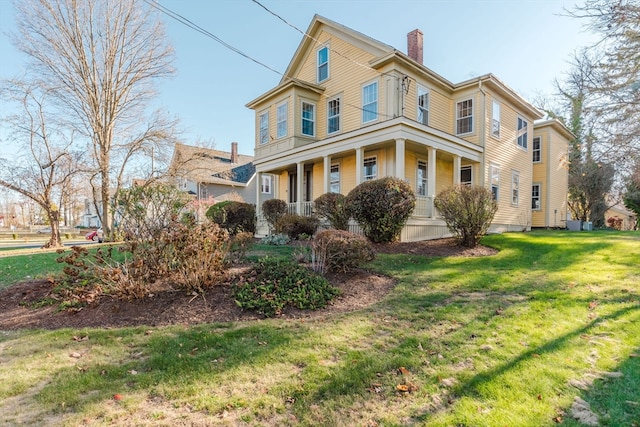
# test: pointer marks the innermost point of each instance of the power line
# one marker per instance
(155, 4)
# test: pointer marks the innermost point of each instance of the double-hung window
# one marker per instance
(536, 150)
(370, 102)
(423, 105)
(308, 119)
(522, 132)
(281, 118)
(264, 128)
(333, 115)
(495, 181)
(535, 197)
(515, 188)
(323, 64)
(334, 184)
(421, 180)
(370, 168)
(265, 186)
(464, 117)
(495, 119)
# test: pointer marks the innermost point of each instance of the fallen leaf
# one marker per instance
(539, 397)
(402, 388)
(133, 372)
(84, 338)
(403, 370)
(117, 396)
(75, 355)
(558, 419)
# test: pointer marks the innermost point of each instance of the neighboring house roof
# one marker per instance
(208, 166)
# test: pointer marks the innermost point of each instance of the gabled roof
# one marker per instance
(208, 166)
(555, 124)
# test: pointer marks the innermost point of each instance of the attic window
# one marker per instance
(323, 64)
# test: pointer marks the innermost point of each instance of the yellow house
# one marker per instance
(350, 108)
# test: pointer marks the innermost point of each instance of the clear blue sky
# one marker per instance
(525, 43)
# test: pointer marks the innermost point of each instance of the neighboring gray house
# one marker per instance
(221, 175)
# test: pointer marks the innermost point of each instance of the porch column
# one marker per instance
(359, 153)
(431, 177)
(400, 158)
(456, 169)
(258, 191)
(327, 173)
(300, 179)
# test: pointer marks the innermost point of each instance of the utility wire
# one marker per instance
(155, 4)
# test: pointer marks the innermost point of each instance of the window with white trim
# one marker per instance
(536, 150)
(370, 168)
(264, 128)
(522, 132)
(423, 105)
(421, 179)
(464, 117)
(333, 115)
(370, 102)
(334, 178)
(265, 186)
(466, 176)
(495, 182)
(308, 119)
(495, 119)
(281, 120)
(515, 188)
(535, 197)
(323, 64)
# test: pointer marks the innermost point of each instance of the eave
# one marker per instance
(283, 87)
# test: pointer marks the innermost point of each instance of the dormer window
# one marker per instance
(323, 64)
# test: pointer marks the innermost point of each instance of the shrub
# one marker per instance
(381, 207)
(272, 210)
(240, 244)
(280, 282)
(276, 239)
(339, 250)
(468, 211)
(333, 207)
(295, 226)
(235, 217)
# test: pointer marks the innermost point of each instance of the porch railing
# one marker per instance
(306, 208)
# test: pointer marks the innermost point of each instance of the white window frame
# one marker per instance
(422, 183)
(494, 177)
(321, 65)
(470, 169)
(515, 188)
(369, 102)
(334, 184)
(337, 116)
(265, 184)
(282, 120)
(522, 128)
(423, 105)
(311, 120)
(536, 141)
(495, 119)
(373, 160)
(459, 118)
(263, 127)
(536, 198)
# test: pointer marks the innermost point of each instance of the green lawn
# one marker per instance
(512, 339)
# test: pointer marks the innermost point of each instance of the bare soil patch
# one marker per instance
(360, 288)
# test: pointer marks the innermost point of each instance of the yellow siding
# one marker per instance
(347, 174)
(444, 175)
(318, 180)
(558, 180)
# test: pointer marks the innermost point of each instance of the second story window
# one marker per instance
(495, 119)
(323, 64)
(464, 117)
(370, 168)
(522, 132)
(264, 128)
(308, 119)
(536, 150)
(495, 182)
(333, 115)
(423, 105)
(421, 181)
(281, 118)
(370, 102)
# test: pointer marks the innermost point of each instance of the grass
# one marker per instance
(511, 339)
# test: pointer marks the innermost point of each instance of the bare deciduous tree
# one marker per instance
(48, 162)
(101, 59)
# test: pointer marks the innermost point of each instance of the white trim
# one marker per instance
(494, 171)
(339, 181)
(534, 150)
(312, 120)
(339, 115)
(364, 169)
(266, 184)
(539, 198)
(425, 177)
(470, 169)
(522, 132)
(264, 113)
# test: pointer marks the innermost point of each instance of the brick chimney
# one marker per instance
(414, 45)
(234, 152)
